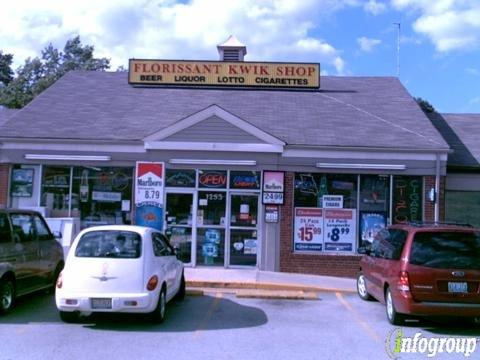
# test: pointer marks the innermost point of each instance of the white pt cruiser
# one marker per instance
(119, 268)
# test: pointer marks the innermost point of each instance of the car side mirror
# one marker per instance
(364, 250)
(57, 235)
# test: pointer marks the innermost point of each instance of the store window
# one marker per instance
(244, 210)
(97, 196)
(329, 226)
(407, 199)
(102, 196)
(374, 205)
(211, 208)
(311, 187)
(243, 247)
(210, 246)
(56, 190)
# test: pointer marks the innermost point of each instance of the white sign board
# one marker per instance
(332, 201)
(272, 198)
(308, 231)
(273, 187)
(340, 230)
(149, 183)
(105, 196)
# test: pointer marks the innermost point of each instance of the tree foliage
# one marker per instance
(39, 73)
(6, 72)
(425, 105)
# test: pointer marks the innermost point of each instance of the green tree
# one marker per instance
(6, 72)
(38, 74)
(425, 105)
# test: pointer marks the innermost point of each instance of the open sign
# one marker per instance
(213, 179)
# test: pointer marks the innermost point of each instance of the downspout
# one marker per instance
(437, 188)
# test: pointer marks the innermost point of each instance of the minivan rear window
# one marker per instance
(109, 244)
(446, 250)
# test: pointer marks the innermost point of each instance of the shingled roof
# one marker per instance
(6, 113)
(345, 112)
(462, 132)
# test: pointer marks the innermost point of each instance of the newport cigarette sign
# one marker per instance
(216, 73)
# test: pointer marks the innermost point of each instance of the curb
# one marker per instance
(256, 293)
(262, 286)
(194, 292)
(278, 294)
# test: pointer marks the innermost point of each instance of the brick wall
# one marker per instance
(4, 173)
(429, 206)
(319, 264)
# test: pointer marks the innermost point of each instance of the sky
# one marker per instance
(439, 57)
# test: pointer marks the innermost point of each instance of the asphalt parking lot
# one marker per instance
(220, 326)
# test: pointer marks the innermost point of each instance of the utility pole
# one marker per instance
(397, 24)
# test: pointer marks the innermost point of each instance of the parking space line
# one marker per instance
(208, 315)
(358, 317)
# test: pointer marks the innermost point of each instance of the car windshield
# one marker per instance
(446, 250)
(109, 243)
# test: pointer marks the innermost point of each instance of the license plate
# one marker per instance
(101, 303)
(457, 287)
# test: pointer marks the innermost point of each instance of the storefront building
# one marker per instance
(462, 185)
(268, 166)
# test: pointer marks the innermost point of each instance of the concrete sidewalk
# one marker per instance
(264, 284)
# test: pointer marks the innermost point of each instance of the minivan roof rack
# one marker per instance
(438, 223)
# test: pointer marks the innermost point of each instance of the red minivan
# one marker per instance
(423, 270)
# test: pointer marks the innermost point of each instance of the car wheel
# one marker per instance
(69, 316)
(158, 314)
(362, 288)
(181, 291)
(7, 295)
(392, 315)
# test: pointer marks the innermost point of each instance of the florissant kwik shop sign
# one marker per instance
(215, 73)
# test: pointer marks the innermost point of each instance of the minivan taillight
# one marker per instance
(152, 283)
(403, 282)
(59, 282)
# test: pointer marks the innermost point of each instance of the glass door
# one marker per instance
(179, 223)
(211, 228)
(243, 240)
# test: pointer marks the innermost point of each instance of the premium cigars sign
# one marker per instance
(214, 73)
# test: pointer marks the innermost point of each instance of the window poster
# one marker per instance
(250, 246)
(371, 222)
(22, 183)
(317, 230)
(308, 229)
(340, 230)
